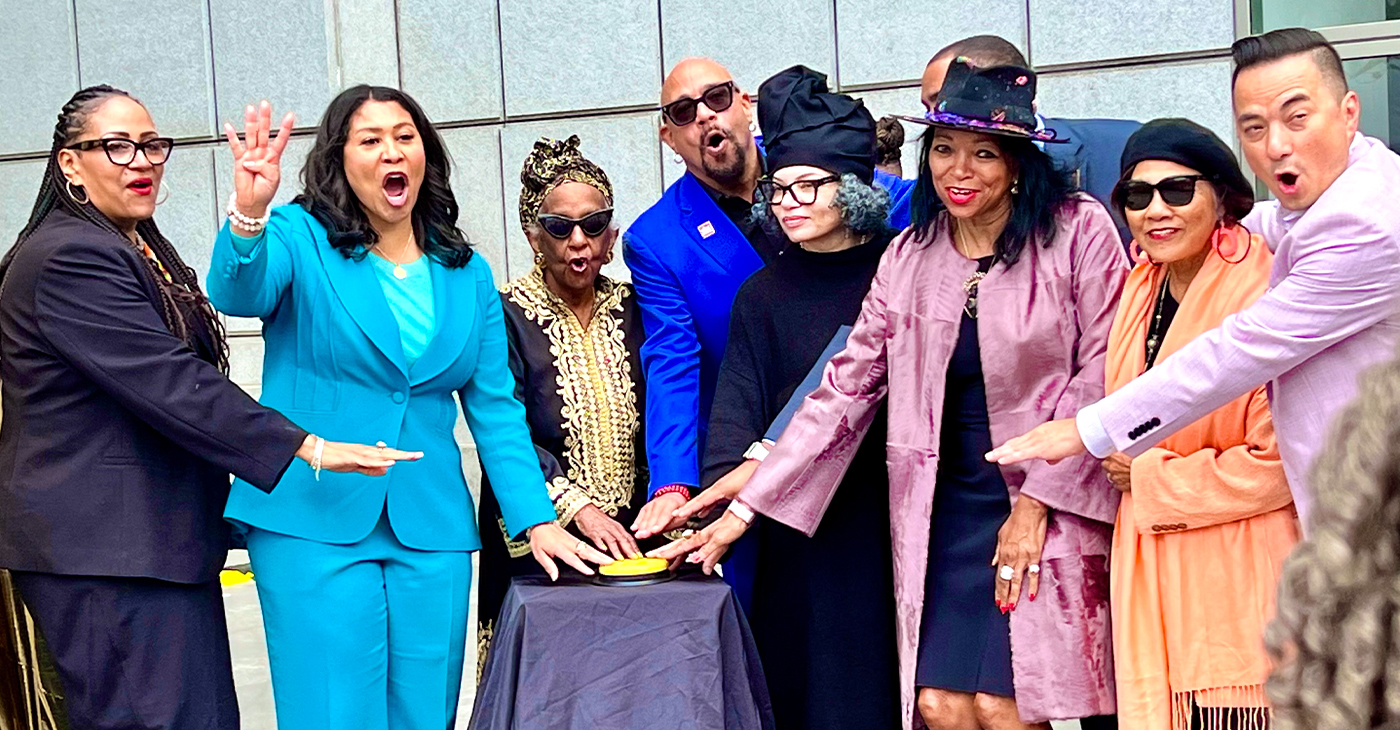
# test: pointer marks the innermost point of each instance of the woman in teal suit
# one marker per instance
(375, 312)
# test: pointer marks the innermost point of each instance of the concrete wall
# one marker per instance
(497, 74)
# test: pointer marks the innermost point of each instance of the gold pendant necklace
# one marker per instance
(399, 271)
(973, 282)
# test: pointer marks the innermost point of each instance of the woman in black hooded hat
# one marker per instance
(823, 610)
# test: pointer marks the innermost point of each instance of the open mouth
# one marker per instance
(714, 140)
(396, 189)
(143, 186)
(961, 196)
(1288, 181)
(578, 264)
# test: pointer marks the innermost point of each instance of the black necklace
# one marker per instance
(1156, 333)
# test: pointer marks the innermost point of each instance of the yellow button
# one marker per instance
(634, 566)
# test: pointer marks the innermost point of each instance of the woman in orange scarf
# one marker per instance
(1206, 518)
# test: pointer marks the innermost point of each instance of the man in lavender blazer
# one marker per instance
(1333, 307)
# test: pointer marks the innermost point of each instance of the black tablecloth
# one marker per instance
(675, 655)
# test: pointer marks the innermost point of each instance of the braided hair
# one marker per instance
(184, 290)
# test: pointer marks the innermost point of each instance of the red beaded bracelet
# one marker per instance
(680, 489)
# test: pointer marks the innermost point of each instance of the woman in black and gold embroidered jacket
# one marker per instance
(575, 341)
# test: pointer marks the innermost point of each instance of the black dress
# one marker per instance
(965, 640)
(823, 612)
(583, 391)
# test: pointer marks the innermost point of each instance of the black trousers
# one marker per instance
(136, 653)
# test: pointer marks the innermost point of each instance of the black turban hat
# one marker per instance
(805, 124)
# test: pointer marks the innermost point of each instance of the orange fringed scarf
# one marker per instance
(1200, 541)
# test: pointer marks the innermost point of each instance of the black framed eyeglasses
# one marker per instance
(682, 111)
(592, 224)
(1137, 195)
(123, 151)
(804, 192)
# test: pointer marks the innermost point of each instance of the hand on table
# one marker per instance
(706, 546)
(257, 159)
(657, 516)
(1019, 542)
(607, 534)
(724, 490)
(1118, 467)
(341, 457)
(549, 541)
(1050, 441)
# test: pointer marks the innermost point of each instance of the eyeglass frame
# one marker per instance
(1120, 193)
(787, 190)
(138, 147)
(574, 223)
(697, 101)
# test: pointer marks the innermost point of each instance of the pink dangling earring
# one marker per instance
(1135, 251)
(1226, 245)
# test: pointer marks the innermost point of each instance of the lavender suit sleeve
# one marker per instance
(1333, 290)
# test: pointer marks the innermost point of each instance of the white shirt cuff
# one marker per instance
(1092, 432)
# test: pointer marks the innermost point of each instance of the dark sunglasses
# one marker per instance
(682, 111)
(802, 191)
(1137, 195)
(592, 224)
(123, 151)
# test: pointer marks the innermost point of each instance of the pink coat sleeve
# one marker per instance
(1077, 485)
(800, 476)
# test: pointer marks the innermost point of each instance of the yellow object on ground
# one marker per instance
(634, 567)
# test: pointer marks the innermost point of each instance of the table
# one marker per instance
(676, 655)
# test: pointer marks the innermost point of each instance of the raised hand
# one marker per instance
(707, 546)
(257, 158)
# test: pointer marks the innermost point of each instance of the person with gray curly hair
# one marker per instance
(823, 612)
(1335, 640)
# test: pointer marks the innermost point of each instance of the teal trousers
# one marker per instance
(367, 636)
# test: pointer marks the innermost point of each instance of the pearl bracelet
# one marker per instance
(316, 457)
(245, 222)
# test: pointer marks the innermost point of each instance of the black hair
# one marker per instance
(1042, 191)
(984, 50)
(327, 196)
(1278, 44)
(55, 193)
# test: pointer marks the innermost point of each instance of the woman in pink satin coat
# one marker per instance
(990, 315)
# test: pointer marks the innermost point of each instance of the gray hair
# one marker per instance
(1335, 640)
(864, 207)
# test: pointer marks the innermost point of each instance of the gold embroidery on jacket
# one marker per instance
(599, 414)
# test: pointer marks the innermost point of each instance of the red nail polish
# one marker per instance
(1003, 610)
(1010, 607)
(1032, 596)
(998, 603)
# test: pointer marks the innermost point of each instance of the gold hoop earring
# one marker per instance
(539, 259)
(68, 184)
(165, 193)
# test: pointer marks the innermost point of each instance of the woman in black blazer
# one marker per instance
(120, 430)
